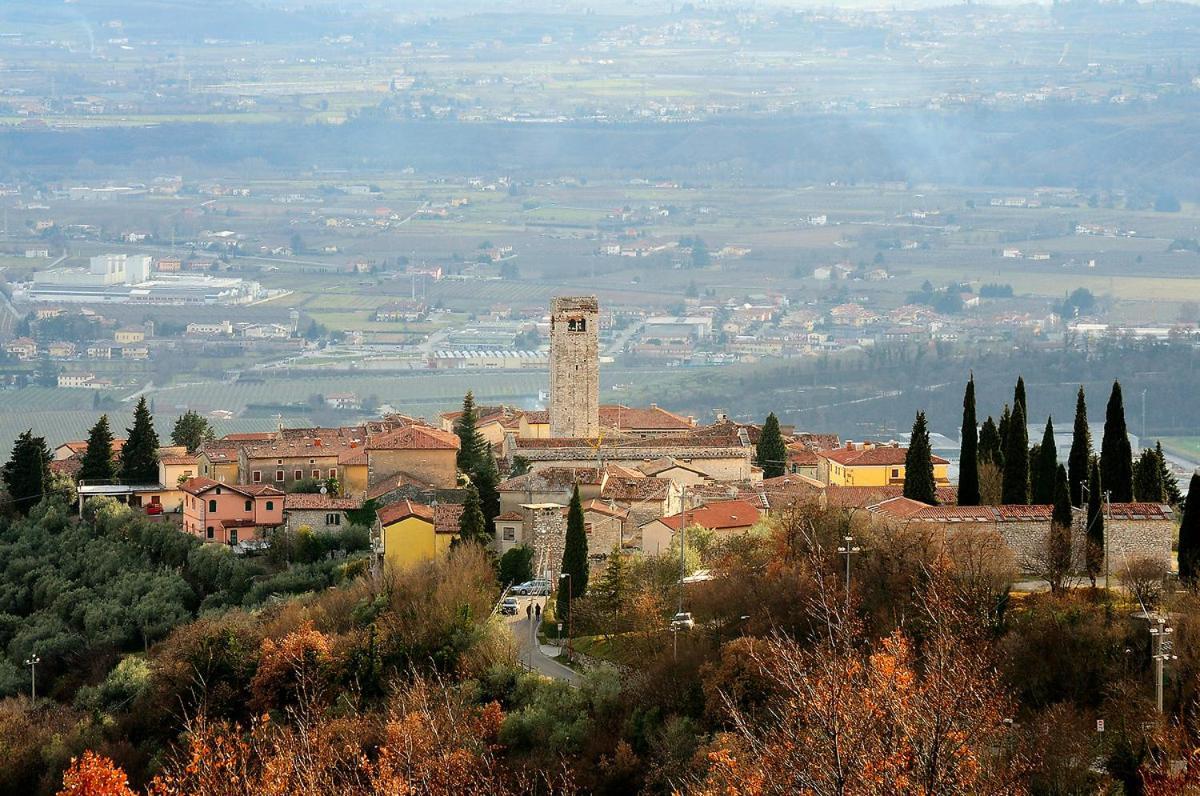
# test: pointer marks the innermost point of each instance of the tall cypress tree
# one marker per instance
(918, 464)
(27, 472)
(1016, 460)
(1041, 488)
(1170, 484)
(991, 444)
(1061, 499)
(1189, 533)
(1019, 398)
(1116, 455)
(470, 443)
(139, 456)
(574, 560)
(1094, 537)
(1081, 451)
(471, 524)
(968, 452)
(1002, 426)
(1060, 552)
(1147, 478)
(97, 463)
(486, 478)
(771, 451)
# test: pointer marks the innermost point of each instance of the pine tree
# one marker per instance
(574, 560)
(1147, 478)
(27, 472)
(471, 524)
(486, 478)
(991, 444)
(1016, 460)
(1189, 533)
(918, 465)
(139, 456)
(771, 452)
(1170, 484)
(191, 431)
(1041, 488)
(1094, 537)
(1081, 451)
(97, 463)
(1116, 455)
(470, 443)
(968, 459)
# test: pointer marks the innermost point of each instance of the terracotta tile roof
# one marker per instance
(1018, 512)
(600, 507)
(79, 447)
(667, 463)
(540, 417)
(445, 517)
(801, 456)
(510, 516)
(863, 496)
(651, 418)
(549, 479)
(1137, 511)
(199, 485)
(636, 489)
(393, 482)
(402, 509)
(178, 459)
(254, 436)
(69, 466)
(722, 515)
(415, 438)
(353, 457)
(298, 501)
(882, 456)
(817, 441)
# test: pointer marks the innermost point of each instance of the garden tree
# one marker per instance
(191, 431)
(516, 565)
(1147, 478)
(574, 560)
(520, 466)
(1189, 533)
(613, 591)
(47, 371)
(1002, 427)
(1170, 484)
(991, 444)
(471, 524)
(97, 463)
(94, 775)
(968, 473)
(27, 472)
(1116, 456)
(486, 477)
(1043, 474)
(1094, 531)
(771, 451)
(1019, 396)
(470, 443)
(1081, 451)
(1016, 460)
(139, 456)
(919, 483)
(1058, 554)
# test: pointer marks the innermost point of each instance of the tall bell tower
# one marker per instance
(575, 367)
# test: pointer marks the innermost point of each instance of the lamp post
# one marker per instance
(848, 549)
(1163, 649)
(32, 661)
(570, 613)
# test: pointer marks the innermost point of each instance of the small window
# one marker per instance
(187, 473)
(279, 475)
(210, 532)
(333, 472)
(317, 474)
(249, 505)
(895, 472)
(257, 476)
(218, 490)
(270, 505)
(333, 519)
(510, 533)
(298, 475)
(212, 505)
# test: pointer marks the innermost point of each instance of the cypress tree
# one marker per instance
(97, 463)
(1041, 488)
(1019, 397)
(968, 458)
(27, 472)
(1002, 427)
(1059, 553)
(990, 443)
(1094, 537)
(1170, 484)
(1035, 469)
(470, 443)
(139, 456)
(574, 560)
(771, 451)
(1016, 460)
(471, 525)
(1061, 498)
(1147, 478)
(1081, 451)
(1189, 533)
(1116, 455)
(918, 464)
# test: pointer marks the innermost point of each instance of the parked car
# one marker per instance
(533, 588)
(508, 606)
(682, 621)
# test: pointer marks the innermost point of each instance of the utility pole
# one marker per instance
(682, 547)
(1162, 653)
(1107, 525)
(32, 661)
(1144, 417)
(848, 549)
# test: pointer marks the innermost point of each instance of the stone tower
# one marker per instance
(575, 367)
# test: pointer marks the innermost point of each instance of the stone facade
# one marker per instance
(575, 367)
(545, 528)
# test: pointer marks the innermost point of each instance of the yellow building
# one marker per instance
(218, 459)
(867, 464)
(412, 533)
(129, 335)
(175, 464)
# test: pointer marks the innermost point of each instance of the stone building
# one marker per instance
(575, 367)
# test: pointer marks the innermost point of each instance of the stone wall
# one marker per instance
(546, 533)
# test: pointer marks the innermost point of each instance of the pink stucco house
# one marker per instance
(230, 513)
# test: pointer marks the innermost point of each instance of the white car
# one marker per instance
(682, 621)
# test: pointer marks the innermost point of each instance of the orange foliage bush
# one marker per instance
(94, 775)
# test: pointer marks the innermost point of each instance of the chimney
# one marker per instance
(849, 444)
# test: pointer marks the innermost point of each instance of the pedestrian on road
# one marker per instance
(529, 611)
(538, 611)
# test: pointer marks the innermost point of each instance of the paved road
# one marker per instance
(533, 654)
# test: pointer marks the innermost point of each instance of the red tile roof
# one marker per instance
(199, 485)
(402, 509)
(882, 456)
(651, 418)
(446, 516)
(298, 501)
(178, 458)
(723, 515)
(510, 516)
(548, 479)
(600, 507)
(415, 438)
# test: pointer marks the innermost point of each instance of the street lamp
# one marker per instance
(848, 549)
(570, 613)
(32, 661)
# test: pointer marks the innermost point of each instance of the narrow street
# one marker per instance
(536, 656)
